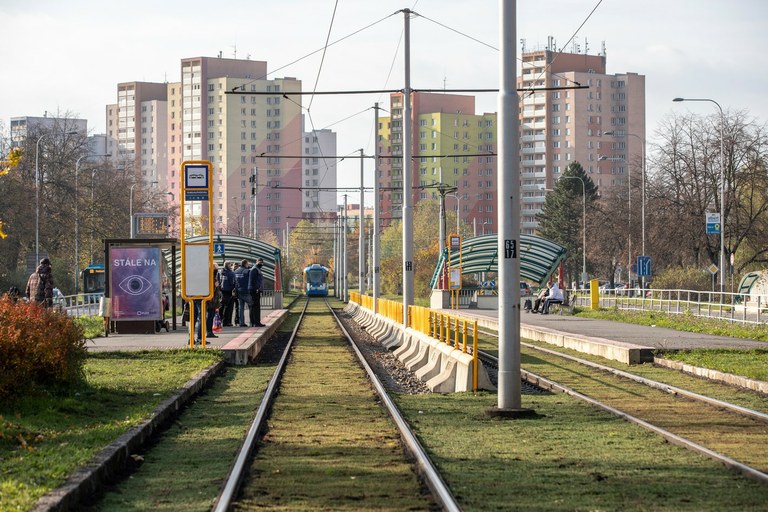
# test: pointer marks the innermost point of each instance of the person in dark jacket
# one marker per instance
(241, 285)
(255, 285)
(228, 294)
(40, 284)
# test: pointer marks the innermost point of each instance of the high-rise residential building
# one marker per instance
(560, 124)
(229, 112)
(136, 129)
(319, 175)
(21, 126)
(453, 154)
(602, 126)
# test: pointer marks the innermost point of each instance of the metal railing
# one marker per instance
(731, 307)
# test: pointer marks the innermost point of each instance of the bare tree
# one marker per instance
(685, 185)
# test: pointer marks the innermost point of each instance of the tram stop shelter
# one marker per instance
(539, 259)
(237, 248)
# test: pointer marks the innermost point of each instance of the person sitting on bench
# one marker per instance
(555, 297)
(540, 298)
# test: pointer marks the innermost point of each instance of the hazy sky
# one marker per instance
(69, 56)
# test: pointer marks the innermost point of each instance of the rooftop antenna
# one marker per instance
(522, 45)
(586, 46)
(234, 50)
(603, 47)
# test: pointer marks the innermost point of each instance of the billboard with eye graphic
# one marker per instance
(135, 275)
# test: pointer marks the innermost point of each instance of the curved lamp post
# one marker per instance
(722, 191)
(584, 225)
(642, 206)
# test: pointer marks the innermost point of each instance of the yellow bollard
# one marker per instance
(594, 294)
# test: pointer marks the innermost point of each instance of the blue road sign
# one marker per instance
(713, 223)
(644, 266)
(218, 249)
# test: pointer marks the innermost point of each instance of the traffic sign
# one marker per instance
(218, 248)
(712, 269)
(644, 266)
(713, 223)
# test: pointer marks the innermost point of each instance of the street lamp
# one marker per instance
(37, 195)
(458, 210)
(722, 191)
(130, 205)
(77, 218)
(629, 213)
(37, 200)
(584, 226)
(130, 208)
(642, 207)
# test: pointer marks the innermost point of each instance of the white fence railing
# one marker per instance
(732, 307)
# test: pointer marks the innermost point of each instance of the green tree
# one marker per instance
(561, 217)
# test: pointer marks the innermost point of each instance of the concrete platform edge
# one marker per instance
(728, 378)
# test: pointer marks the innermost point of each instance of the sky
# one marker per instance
(68, 57)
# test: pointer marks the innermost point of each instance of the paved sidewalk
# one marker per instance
(164, 340)
(654, 337)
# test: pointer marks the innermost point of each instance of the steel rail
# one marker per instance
(432, 477)
(673, 390)
(234, 478)
(549, 385)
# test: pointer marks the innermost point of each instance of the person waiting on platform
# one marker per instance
(555, 297)
(228, 294)
(40, 284)
(243, 295)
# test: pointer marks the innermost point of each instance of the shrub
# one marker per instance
(40, 347)
(688, 278)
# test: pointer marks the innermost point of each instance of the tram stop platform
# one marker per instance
(240, 344)
(628, 343)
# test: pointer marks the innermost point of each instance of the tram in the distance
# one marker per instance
(316, 280)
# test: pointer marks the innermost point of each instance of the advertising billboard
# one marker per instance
(135, 283)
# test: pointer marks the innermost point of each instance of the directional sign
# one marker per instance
(713, 223)
(218, 249)
(644, 266)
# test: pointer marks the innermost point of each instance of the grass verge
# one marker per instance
(44, 438)
(752, 364)
(572, 457)
(187, 464)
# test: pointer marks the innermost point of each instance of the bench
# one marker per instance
(566, 306)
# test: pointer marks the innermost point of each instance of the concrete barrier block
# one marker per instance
(445, 381)
(420, 358)
(465, 371)
(413, 347)
(434, 363)
(395, 337)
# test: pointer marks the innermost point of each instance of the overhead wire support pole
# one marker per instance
(344, 285)
(376, 211)
(509, 378)
(361, 247)
(407, 175)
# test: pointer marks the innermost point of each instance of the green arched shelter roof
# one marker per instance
(539, 257)
(238, 248)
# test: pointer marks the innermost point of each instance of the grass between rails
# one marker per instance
(330, 445)
(43, 439)
(572, 458)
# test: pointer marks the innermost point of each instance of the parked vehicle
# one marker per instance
(525, 289)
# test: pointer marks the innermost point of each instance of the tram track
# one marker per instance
(253, 480)
(734, 435)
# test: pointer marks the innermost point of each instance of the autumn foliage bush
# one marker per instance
(39, 348)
